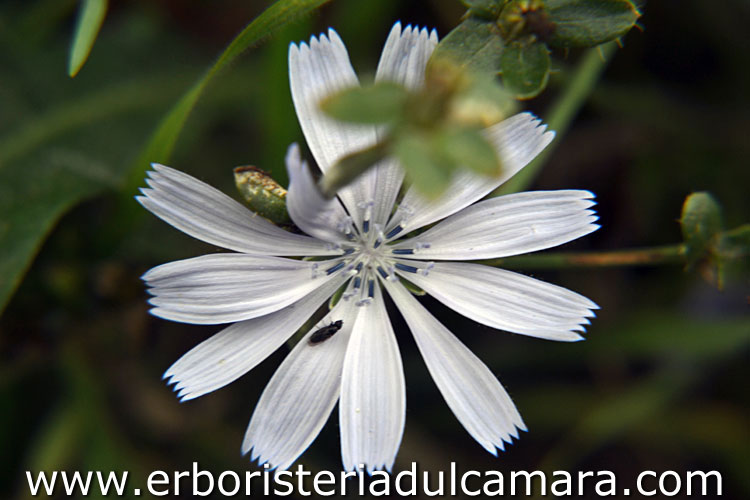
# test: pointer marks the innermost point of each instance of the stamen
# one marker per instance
(403, 214)
(357, 282)
(350, 270)
(420, 245)
(333, 246)
(393, 232)
(364, 295)
(382, 272)
(426, 270)
(402, 251)
(380, 236)
(359, 266)
(335, 268)
(314, 270)
(408, 269)
(349, 251)
(367, 215)
(392, 274)
(371, 289)
(346, 226)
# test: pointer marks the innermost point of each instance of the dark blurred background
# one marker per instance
(660, 384)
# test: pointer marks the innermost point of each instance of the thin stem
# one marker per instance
(654, 256)
(563, 111)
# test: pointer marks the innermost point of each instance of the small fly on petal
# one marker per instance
(325, 333)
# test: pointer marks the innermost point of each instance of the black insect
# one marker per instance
(325, 333)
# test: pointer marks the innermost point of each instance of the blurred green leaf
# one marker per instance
(467, 147)
(163, 140)
(732, 254)
(483, 102)
(35, 193)
(525, 68)
(586, 23)
(429, 171)
(735, 244)
(57, 443)
(475, 44)
(382, 102)
(658, 334)
(350, 166)
(701, 221)
(90, 19)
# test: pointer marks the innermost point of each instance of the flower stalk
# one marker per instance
(652, 256)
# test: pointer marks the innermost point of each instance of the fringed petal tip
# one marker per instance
(410, 29)
(504, 441)
(323, 39)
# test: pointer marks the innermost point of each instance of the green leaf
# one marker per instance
(525, 68)
(428, 170)
(701, 221)
(467, 147)
(488, 9)
(35, 192)
(482, 102)
(586, 23)
(350, 167)
(163, 140)
(382, 102)
(90, 21)
(475, 44)
(735, 244)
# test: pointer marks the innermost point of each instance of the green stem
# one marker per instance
(566, 108)
(671, 254)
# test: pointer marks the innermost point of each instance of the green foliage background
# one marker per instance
(661, 382)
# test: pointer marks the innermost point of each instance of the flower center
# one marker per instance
(368, 256)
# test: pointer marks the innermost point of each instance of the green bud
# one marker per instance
(701, 221)
(261, 193)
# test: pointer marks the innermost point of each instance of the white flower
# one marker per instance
(268, 297)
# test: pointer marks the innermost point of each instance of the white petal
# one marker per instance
(405, 54)
(507, 300)
(372, 410)
(472, 392)
(507, 225)
(226, 356)
(223, 288)
(307, 207)
(403, 61)
(209, 215)
(518, 140)
(301, 395)
(315, 72)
